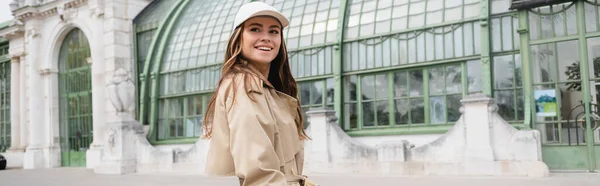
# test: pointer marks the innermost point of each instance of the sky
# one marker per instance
(5, 13)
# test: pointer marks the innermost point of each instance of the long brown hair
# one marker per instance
(280, 77)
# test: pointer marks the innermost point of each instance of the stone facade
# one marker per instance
(35, 37)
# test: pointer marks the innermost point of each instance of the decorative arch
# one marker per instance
(75, 98)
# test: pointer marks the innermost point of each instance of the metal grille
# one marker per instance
(76, 98)
(4, 99)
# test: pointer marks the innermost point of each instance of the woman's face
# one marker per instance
(261, 39)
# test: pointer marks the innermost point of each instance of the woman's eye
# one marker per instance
(254, 29)
(274, 31)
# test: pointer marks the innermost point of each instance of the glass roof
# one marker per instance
(376, 17)
(199, 36)
(312, 22)
(155, 12)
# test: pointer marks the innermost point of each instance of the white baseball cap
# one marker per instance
(254, 9)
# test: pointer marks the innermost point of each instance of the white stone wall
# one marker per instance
(35, 39)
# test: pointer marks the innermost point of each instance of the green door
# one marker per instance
(75, 82)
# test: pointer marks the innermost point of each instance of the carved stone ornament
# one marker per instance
(121, 91)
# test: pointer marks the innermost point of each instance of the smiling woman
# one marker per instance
(254, 118)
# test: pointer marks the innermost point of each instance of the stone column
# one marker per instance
(477, 116)
(34, 154)
(15, 120)
(24, 122)
(97, 60)
(319, 132)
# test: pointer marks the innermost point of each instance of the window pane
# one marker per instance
(417, 111)
(503, 66)
(500, 6)
(437, 111)
(568, 60)
(305, 89)
(330, 91)
(505, 100)
(453, 79)
(316, 93)
(383, 113)
(543, 57)
(401, 111)
(474, 75)
(594, 57)
(518, 70)
(368, 114)
(400, 84)
(382, 86)
(520, 105)
(350, 88)
(453, 103)
(368, 87)
(436, 80)
(507, 32)
(416, 82)
(350, 113)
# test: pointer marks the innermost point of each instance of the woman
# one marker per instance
(254, 119)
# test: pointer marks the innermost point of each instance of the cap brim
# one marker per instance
(284, 21)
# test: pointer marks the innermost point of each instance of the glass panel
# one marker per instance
(416, 82)
(507, 33)
(502, 65)
(520, 105)
(401, 111)
(568, 60)
(350, 113)
(453, 103)
(417, 111)
(506, 107)
(368, 114)
(437, 111)
(400, 84)
(594, 57)
(436, 80)
(330, 91)
(458, 42)
(305, 88)
(474, 75)
(316, 93)
(590, 18)
(368, 87)
(381, 82)
(543, 58)
(383, 112)
(572, 20)
(350, 88)
(500, 6)
(453, 79)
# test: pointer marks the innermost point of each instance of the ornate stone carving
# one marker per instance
(121, 91)
(32, 32)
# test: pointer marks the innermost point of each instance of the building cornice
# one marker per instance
(47, 10)
(13, 31)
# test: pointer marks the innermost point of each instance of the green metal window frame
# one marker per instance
(390, 97)
(336, 51)
(5, 128)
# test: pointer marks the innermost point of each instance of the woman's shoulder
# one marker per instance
(241, 81)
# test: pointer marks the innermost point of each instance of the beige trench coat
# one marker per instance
(256, 141)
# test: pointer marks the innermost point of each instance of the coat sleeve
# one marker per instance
(252, 138)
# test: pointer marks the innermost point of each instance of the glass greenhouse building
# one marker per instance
(389, 68)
